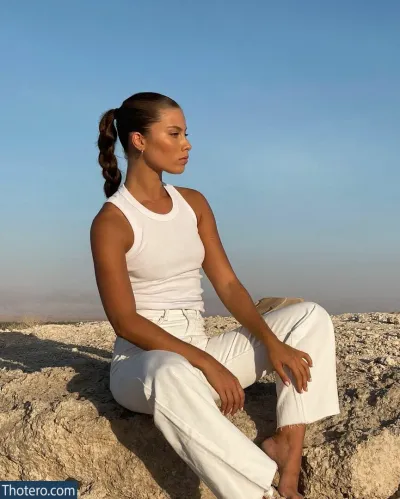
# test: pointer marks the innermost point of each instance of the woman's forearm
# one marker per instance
(239, 303)
(146, 335)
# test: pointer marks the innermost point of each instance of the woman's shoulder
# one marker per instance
(193, 197)
(110, 224)
(110, 216)
(189, 193)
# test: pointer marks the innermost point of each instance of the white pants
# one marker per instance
(182, 401)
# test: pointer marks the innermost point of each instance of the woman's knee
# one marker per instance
(311, 307)
(321, 311)
(323, 319)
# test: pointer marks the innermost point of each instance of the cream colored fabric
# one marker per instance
(182, 401)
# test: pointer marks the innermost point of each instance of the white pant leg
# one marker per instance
(167, 385)
(305, 326)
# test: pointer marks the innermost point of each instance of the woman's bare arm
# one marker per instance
(109, 239)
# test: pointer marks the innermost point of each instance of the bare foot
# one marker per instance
(288, 459)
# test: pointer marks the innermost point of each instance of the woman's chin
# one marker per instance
(176, 170)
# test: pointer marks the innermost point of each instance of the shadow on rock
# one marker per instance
(30, 354)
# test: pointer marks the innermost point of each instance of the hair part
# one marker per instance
(136, 114)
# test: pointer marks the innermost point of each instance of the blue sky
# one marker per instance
(293, 114)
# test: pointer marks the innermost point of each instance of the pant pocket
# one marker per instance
(156, 316)
(161, 320)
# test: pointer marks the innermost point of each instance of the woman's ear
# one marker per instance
(138, 141)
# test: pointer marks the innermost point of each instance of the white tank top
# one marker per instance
(165, 259)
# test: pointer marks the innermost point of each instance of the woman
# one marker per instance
(149, 241)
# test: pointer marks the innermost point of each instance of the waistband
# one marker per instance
(170, 313)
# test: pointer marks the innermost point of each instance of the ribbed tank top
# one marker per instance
(167, 253)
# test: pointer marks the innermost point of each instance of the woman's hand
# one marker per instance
(226, 385)
(281, 355)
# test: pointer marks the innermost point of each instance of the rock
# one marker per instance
(58, 419)
(386, 361)
(361, 456)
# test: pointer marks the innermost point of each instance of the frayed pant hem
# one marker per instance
(290, 426)
(314, 420)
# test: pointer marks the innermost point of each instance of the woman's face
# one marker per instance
(166, 146)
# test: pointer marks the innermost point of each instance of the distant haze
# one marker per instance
(336, 291)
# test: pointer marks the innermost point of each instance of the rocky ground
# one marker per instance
(58, 419)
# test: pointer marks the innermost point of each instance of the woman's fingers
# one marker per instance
(230, 398)
(307, 363)
(304, 374)
(299, 364)
(236, 401)
(298, 374)
(224, 400)
(307, 357)
(242, 396)
(284, 377)
(239, 397)
(301, 369)
(236, 398)
(307, 368)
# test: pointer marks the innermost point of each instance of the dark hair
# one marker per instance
(136, 114)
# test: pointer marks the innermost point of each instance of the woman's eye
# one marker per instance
(175, 134)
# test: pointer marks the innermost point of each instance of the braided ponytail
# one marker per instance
(107, 159)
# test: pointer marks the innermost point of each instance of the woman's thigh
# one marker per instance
(132, 380)
(244, 354)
